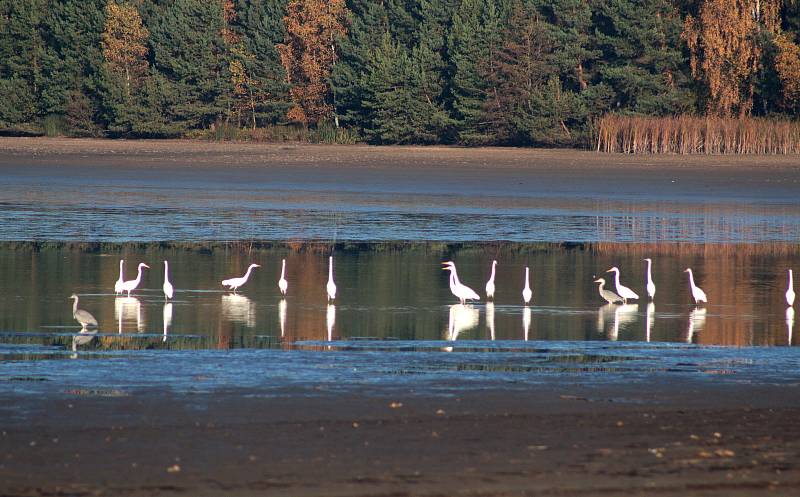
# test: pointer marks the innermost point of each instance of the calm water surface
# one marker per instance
(390, 295)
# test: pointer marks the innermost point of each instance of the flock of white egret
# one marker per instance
(461, 291)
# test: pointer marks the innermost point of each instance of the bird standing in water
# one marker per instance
(527, 293)
(167, 287)
(282, 283)
(235, 283)
(331, 286)
(120, 281)
(131, 285)
(651, 287)
(460, 290)
(697, 293)
(81, 316)
(790, 290)
(607, 295)
(490, 284)
(623, 291)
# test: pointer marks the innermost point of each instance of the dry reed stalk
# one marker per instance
(690, 135)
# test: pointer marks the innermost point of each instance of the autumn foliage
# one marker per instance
(124, 42)
(309, 53)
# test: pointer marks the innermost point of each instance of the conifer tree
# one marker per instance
(190, 52)
(21, 54)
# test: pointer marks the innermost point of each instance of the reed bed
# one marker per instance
(697, 135)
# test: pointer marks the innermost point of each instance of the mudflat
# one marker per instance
(650, 438)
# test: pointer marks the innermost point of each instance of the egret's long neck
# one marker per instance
(330, 269)
(649, 277)
(527, 280)
(120, 268)
(494, 267)
(616, 277)
(691, 279)
(601, 285)
(283, 268)
(139, 275)
(455, 275)
(166, 271)
(74, 305)
(247, 274)
(791, 279)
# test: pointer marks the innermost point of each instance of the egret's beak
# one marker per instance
(609, 271)
(598, 281)
(145, 265)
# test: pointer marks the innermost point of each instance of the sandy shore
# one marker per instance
(685, 438)
(195, 152)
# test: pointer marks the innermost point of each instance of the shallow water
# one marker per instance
(385, 295)
(389, 202)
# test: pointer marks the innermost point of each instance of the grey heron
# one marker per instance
(81, 316)
(607, 295)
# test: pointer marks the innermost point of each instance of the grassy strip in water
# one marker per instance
(497, 248)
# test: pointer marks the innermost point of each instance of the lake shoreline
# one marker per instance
(686, 436)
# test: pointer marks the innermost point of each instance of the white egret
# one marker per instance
(234, 283)
(790, 290)
(697, 293)
(130, 285)
(490, 283)
(651, 287)
(460, 290)
(118, 284)
(167, 285)
(623, 291)
(282, 283)
(331, 286)
(81, 316)
(526, 292)
(607, 295)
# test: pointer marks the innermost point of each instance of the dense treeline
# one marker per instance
(474, 72)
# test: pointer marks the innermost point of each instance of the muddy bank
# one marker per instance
(685, 438)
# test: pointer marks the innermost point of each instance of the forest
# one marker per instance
(563, 73)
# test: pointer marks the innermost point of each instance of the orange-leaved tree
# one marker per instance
(726, 49)
(124, 42)
(309, 53)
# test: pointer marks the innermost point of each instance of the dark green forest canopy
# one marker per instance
(470, 72)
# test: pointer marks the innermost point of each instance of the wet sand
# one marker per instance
(688, 437)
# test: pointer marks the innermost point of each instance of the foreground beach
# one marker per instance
(685, 437)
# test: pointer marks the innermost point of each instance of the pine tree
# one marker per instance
(190, 52)
(72, 62)
(259, 26)
(642, 59)
(21, 53)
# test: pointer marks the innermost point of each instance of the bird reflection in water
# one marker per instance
(789, 323)
(282, 316)
(651, 314)
(697, 321)
(490, 319)
(330, 320)
(167, 319)
(239, 309)
(83, 338)
(623, 315)
(526, 322)
(462, 318)
(128, 310)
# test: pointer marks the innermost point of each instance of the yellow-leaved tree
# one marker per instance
(308, 55)
(124, 42)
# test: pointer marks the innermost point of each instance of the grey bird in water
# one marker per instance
(81, 316)
(607, 295)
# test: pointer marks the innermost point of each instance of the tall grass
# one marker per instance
(322, 133)
(697, 135)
